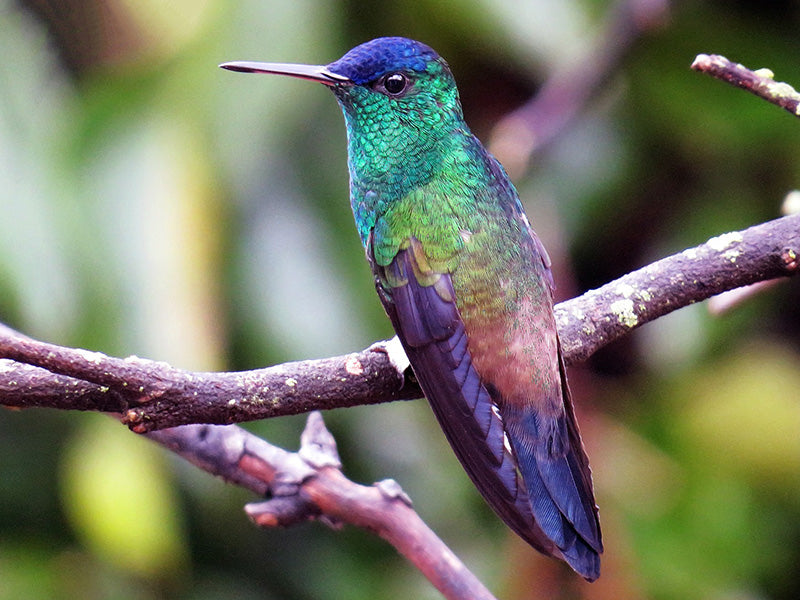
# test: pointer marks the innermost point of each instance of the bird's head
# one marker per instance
(399, 78)
(394, 91)
(401, 108)
(388, 74)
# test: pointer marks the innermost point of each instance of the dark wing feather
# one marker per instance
(556, 471)
(430, 327)
(579, 464)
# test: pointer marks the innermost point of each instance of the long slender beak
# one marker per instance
(317, 73)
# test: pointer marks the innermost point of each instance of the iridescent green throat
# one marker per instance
(397, 145)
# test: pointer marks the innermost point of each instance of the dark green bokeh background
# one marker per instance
(153, 204)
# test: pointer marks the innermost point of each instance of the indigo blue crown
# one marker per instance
(375, 58)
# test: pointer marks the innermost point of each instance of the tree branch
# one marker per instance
(154, 395)
(309, 485)
(760, 82)
(731, 260)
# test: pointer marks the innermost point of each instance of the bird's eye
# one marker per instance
(394, 84)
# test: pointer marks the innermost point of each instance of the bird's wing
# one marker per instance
(556, 473)
(428, 323)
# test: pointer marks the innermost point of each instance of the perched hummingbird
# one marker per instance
(467, 286)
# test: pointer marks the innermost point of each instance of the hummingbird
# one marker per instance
(467, 286)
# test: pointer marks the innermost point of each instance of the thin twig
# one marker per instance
(761, 82)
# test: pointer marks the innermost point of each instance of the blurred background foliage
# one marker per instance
(153, 204)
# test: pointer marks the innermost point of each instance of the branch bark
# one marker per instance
(154, 395)
(309, 484)
(731, 260)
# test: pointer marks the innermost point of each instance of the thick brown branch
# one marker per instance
(760, 82)
(24, 386)
(154, 395)
(726, 262)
